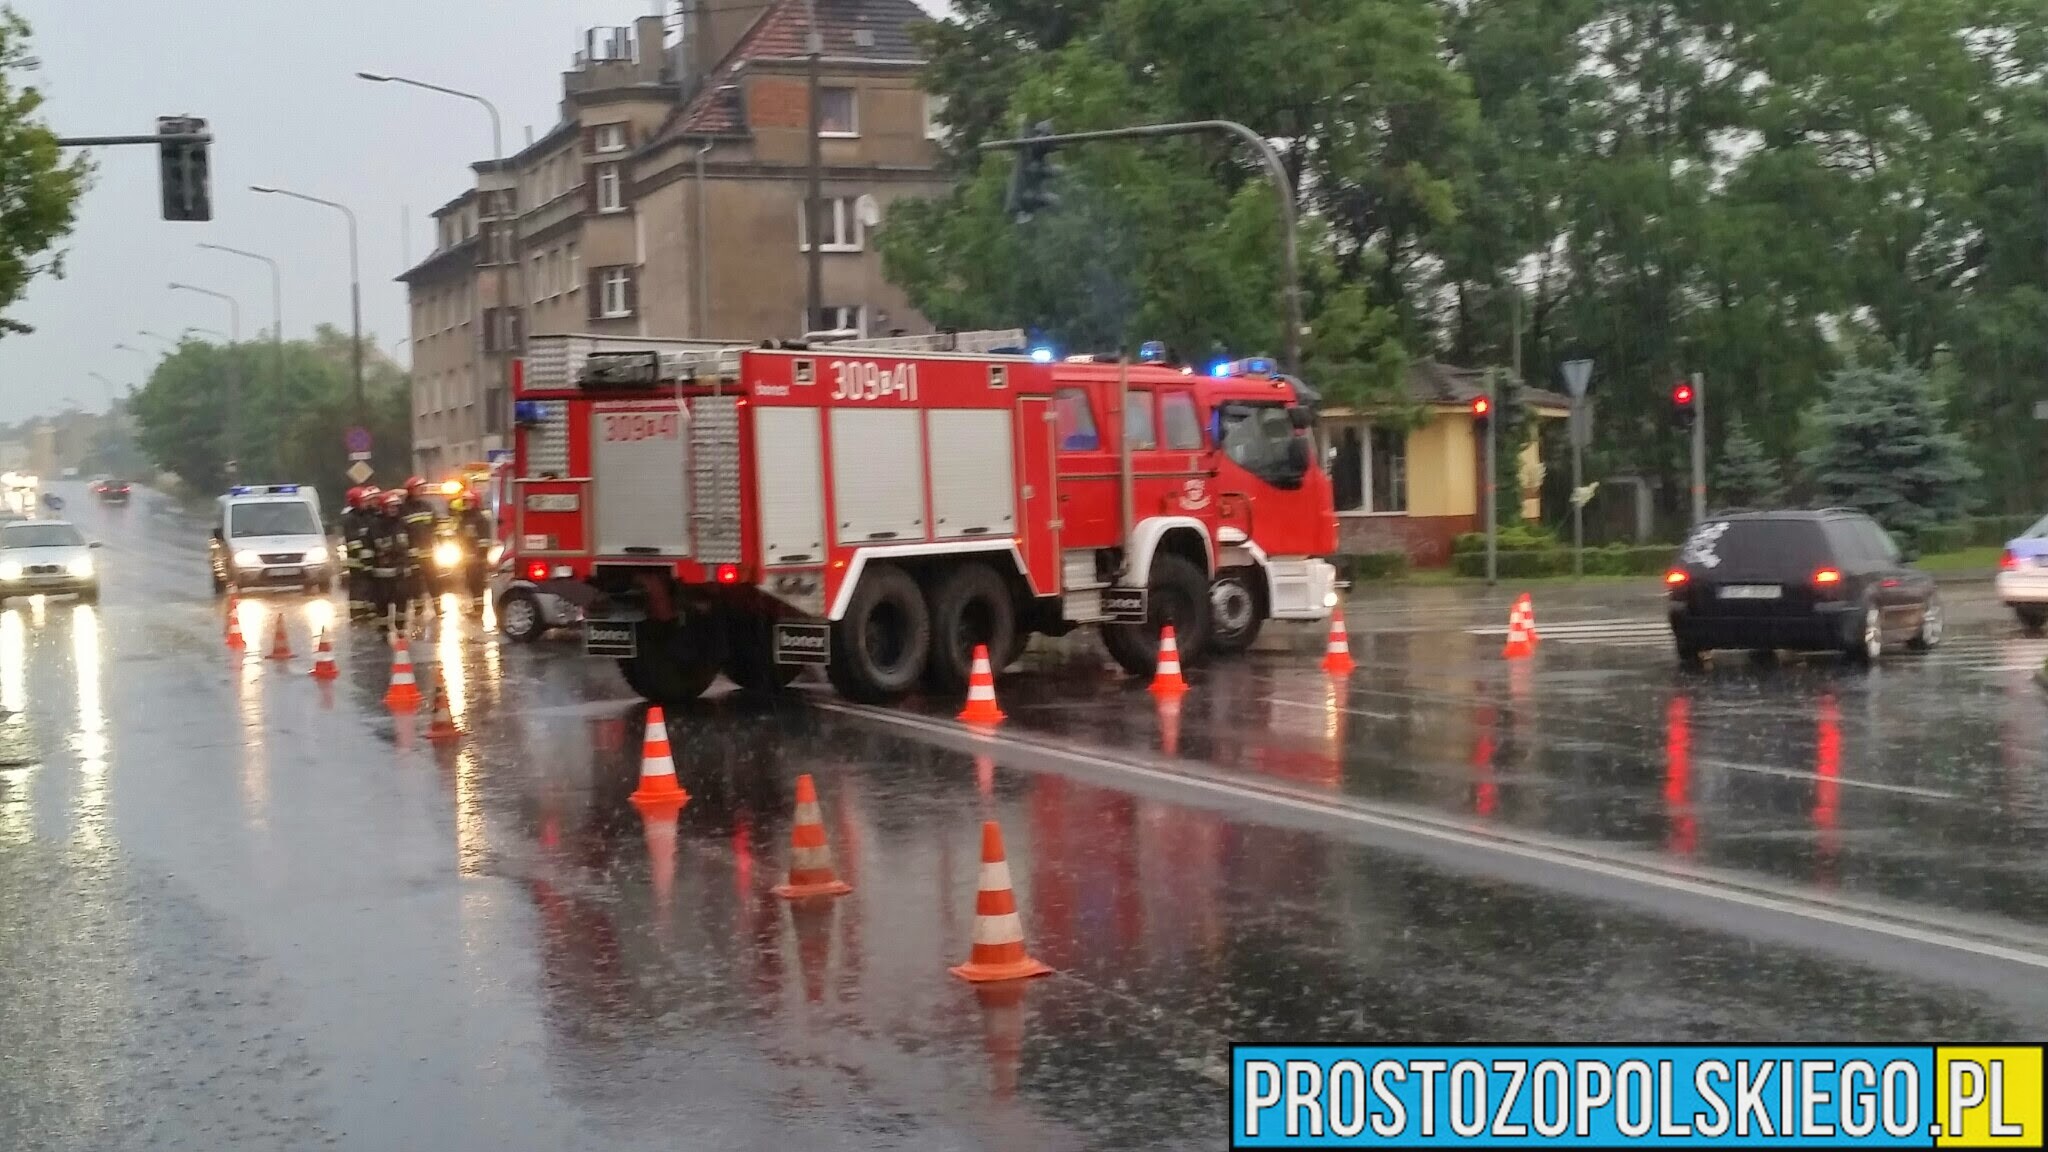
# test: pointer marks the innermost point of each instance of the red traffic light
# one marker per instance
(1682, 395)
(1481, 407)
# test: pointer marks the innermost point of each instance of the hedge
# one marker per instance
(1510, 539)
(1365, 566)
(1612, 560)
(1976, 532)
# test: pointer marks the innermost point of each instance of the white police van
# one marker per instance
(270, 536)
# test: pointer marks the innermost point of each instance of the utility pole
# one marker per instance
(1699, 447)
(1492, 487)
(1290, 286)
(814, 192)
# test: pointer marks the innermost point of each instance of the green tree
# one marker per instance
(1745, 475)
(38, 190)
(1880, 443)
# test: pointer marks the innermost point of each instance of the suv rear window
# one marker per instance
(1788, 548)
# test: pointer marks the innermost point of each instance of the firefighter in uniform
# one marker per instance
(390, 553)
(472, 532)
(421, 529)
(355, 548)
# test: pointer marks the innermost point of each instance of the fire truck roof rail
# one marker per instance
(976, 343)
(559, 361)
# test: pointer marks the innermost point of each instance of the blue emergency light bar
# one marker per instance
(263, 489)
(1254, 366)
(529, 412)
(1152, 352)
(1042, 354)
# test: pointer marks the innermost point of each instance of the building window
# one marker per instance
(609, 138)
(843, 230)
(1369, 468)
(615, 292)
(538, 280)
(575, 268)
(608, 198)
(836, 112)
(1138, 422)
(1074, 418)
(839, 318)
(934, 117)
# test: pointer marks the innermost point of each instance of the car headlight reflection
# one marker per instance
(10, 570)
(248, 559)
(80, 567)
(447, 554)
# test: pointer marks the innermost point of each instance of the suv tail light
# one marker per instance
(1675, 581)
(1827, 581)
(2008, 562)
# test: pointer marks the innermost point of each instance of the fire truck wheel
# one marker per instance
(970, 606)
(879, 647)
(750, 657)
(1178, 595)
(676, 662)
(1234, 612)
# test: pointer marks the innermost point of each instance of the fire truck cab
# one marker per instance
(881, 507)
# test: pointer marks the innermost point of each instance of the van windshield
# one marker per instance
(281, 518)
(33, 535)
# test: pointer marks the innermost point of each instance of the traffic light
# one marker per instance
(1482, 414)
(1684, 407)
(187, 181)
(1030, 179)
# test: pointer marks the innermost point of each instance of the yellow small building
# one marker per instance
(1414, 490)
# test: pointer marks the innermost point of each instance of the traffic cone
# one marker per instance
(323, 658)
(280, 644)
(1337, 654)
(810, 856)
(658, 787)
(1167, 680)
(235, 640)
(442, 725)
(981, 692)
(998, 952)
(1528, 604)
(1518, 646)
(404, 693)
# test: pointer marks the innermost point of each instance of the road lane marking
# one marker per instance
(2005, 942)
(1815, 777)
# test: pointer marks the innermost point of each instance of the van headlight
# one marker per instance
(447, 554)
(248, 559)
(10, 570)
(81, 567)
(317, 554)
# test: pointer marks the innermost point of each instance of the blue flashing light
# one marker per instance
(1220, 368)
(240, 490)
(1258, 366)
(529, 412)
(1152, 352)
(1042, 354)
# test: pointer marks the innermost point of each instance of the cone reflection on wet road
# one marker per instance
(658, 826)
(1681, 832)
(1002, 1032)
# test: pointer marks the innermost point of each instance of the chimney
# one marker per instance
(715, 28)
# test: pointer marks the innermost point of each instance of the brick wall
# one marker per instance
(1426, 539)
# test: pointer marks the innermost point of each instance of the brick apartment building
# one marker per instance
(667, 201)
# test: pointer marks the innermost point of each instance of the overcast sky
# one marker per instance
(276, 79)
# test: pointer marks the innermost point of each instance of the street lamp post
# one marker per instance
(276, 305)
(130, 348)
(167, 341)
(505, 305)
(234, 376)
(355, 287)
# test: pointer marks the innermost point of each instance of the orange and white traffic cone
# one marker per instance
(280, 644)
(1337, 653)
(1519, 646)
(235, 640)
(1167, 680)
(404, 693)
(998, 952)
(981, 691)
(442, 725)
(323, 658)
(810, 855)
(1528, 605)
(658, 787)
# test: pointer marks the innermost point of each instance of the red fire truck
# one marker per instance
(881, 506)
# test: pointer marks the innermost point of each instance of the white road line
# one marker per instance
(1306, 707)
(2007, 943)
(1815, 777)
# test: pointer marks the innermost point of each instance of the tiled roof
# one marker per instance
(1433, 382)
(782, 32)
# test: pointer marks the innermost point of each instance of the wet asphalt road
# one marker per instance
(241, 910)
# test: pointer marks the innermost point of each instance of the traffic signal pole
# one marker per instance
(1290, 286)
(1492, 481)
(1699, 447)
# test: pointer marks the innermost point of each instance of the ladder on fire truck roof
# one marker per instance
(563, 361)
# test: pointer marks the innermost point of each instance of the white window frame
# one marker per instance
(852, 129)
(1366, 491)
(934, 107)
(607, 138)
(614, 280)
(854, 316)
(575, 268)
(618, 188)
(537, 278)
(844, 214)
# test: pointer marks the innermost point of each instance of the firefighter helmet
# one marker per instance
(353, 498)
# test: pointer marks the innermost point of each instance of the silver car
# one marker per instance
(525, 612)
(47, 558)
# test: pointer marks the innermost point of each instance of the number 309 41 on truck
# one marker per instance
(883, 506)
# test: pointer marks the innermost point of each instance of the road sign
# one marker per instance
(1577, 374)
(360, 457)
(360, 472)
(358, 441)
